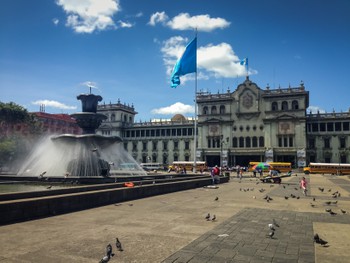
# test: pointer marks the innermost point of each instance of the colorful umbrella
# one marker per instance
(262, 166)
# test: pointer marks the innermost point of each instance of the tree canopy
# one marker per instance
(13, 113)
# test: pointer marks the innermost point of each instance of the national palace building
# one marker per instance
(234, 128)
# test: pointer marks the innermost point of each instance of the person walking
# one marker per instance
(303, 185)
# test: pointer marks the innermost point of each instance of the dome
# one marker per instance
(178, 118)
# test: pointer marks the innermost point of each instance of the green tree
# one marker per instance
(13, 113)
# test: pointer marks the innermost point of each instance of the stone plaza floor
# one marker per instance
(173, 228)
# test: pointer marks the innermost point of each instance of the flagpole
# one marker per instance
(195, 118)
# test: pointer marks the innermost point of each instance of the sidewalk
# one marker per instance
(172, 227)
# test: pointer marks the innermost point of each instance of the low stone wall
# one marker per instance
(32, 208)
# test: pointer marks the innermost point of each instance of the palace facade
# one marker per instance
(234, 128)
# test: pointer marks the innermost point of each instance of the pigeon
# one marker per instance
(322, 242)
(314, 199)
(292, 196)
(312, 205)
(207, 217)
(329, 190)
(216, 198)
(49, 187)
(332, 213)
(271, 234)
(321, 189)
(109, 251)
(298, 197)
(328, 202)
(319, 240)
(118, 244)
(214, 218)
(334, 203)
(271, 227)
(316, 238)
(284, 187)
(343, 211)
(328, 210)
(275, 223)
(104, 259)
(286, 197)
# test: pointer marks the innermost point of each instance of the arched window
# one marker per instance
(255, 141)
(284, 105)
(234, 142)
(247, 141)
(295, 105)
(241, 142)
(205, 110)
(261, 142)
(222, 109)
(213, 110)
(274, 106)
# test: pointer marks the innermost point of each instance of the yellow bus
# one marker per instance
(283, 167)
(327, 168)
(200, 166)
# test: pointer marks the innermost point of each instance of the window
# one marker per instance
(295, 105)
(314, 127)
(134, 146)
(209, 142)
(342, 142)
(144, 146)
(222, 109)
(234, 142)
(261, 141)
(255, 141)
(187, 145)
(213, 110)
(154, 146)
(326, 143)
(337, 126)
(322, 127)
(165, 146)
(284, 105)
(241, 142)
(205, 110)
(113, 117)
(274, 106)
(125, 145)
(330, 126)
(311, 143)
(346, 126)
(247, 142)
(176, 145)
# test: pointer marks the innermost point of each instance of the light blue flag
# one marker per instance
(186, 64)
(244, 62)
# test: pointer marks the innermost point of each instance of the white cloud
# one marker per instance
(216, 60)
(158, 17)
(184, 21)
(176, 108)
(54, 104)
(55, 21)
(205, 23)
(124, 24)
(315, 109)
(90, 15)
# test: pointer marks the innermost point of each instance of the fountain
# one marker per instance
(88, 155)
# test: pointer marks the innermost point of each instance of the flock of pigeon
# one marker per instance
(109, 251)
(334, 195)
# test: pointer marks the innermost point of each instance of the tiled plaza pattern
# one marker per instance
(243, 237)
(172, 228)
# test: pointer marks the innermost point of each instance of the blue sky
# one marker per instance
(51, 50)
